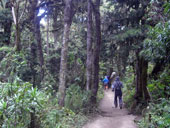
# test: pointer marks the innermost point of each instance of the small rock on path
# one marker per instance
(111, 117)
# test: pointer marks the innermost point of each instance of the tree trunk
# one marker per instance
(33, 63)
(32, 122)
(55, 25)
(37, 35)
(48, 24)
(89, 48)
(96, 52)
(139, 89)
(17, 27)
(35, 22)
(157, 68)
(141, 79)
(118, 62)
(39, 43)
(7, 31)
(144, 79)
(17, 36)
(68, 14)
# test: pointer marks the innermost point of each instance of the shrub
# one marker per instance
(76, 98)
(129, 89)
(158, 115)
(17, 101)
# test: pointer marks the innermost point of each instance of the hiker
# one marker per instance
(112, 77)
(117, 87)
(105, 82)
(109, 83)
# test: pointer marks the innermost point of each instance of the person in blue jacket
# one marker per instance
(106, 82)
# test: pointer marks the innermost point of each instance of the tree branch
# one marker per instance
(13, 14)
(2, 3)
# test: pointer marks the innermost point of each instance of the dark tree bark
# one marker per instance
(35, 20)
(55, 25)
(35, 23)
(48, 24)
(118, 64)
(7, 26)
(39, 43)
(96, 51)
(18, 40)
(33, 63)
(144, 79)
(15, 12)
(32, 122)
(89, 47)
(7, 31)
(141, 79)
(157, 68)
(68, 14)
(139, 91)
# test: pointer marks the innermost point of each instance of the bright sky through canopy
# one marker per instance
(41, 11)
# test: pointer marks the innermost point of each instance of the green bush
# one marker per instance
(55, 117)
(158, 115)
(160, 88)
(76, 98)
(12, 65)
(129, 88)
(17, 101)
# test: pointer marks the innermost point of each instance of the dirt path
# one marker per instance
(111, 117)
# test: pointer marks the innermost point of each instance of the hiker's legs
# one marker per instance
(120, 99)
(107, 87)
(120, 102)
(115, 100)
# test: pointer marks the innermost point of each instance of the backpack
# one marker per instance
(118, 86)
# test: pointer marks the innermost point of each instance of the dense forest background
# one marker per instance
(53, 54)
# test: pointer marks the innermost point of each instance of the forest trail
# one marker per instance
(111, 117)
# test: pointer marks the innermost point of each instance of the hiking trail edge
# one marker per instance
(111, 117)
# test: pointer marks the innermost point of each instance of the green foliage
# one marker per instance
(5, 18)
(12, 65)
(100, 93)
(167, 7)
(158, 111)
(160, 88)
(18, 100)
(54, 117)
(158, 115)
(76, 98)
(128, 33)
(5, 49)
(129, 88)
(5, 15)
(157, 46)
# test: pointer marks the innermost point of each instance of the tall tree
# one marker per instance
(48, 25)
(35, 20)
(68, 14)
(96, 51)
(17, 16)
(89, 60)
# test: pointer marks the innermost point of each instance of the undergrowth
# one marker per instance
(19, 101)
